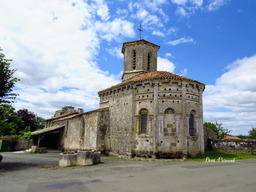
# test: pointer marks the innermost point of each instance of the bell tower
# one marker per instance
(139, 57)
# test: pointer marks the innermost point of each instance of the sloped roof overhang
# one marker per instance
(47, 129)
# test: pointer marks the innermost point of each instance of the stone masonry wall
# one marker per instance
(208, 135)
(234, 146)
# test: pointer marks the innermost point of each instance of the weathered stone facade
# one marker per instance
(165, 100)
(150, 113)
(245, 146)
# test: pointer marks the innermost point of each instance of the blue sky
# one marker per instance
(66, 51)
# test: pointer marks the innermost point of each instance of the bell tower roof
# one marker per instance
(142, 41)
(139, 56)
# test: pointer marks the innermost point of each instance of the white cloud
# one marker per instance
(216, 4)
(152, 20)
(235, 92)
(181, 40)
(172, 30)
(197, 2)
(54, 46)
(101, 9)
(165, 17)
(184, 72)
(179, 2)
(130, 7)
(168, 55)
(116, 52)
(113, 29)
(181, 11)
(154, 4)
(165, 65)
(158, 33)
(142, 14)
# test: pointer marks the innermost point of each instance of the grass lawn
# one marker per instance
(213, 154)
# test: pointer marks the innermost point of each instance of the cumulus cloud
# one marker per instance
(168, 55)
(197, 2)
(116, 52)
(165, 17)
(186, 8)
(232, 98)
(122, 12)
(179, 2)
(149, 12)
(185, 13)
(216, 4)
(158, 33)
(181, 40)
(172, 30)
(184, 72)
(113, 29)
(54, 46)
(165, 65)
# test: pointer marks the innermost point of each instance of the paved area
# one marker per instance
(39, 172)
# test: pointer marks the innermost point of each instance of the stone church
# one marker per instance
(149, 114)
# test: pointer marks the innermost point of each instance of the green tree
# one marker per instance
(252, 132)
(64, 110)
(218, 129)
(10, 122)
(7, 80)
(39, 122)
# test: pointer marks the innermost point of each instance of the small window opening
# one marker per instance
(148, 62)
(134, 59)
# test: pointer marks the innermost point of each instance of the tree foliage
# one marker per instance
(252, 132)
(28, 118)
(10, 122)
(7, 80)
(64, 110)
(39, 122)
(218, 129)
(31, 120)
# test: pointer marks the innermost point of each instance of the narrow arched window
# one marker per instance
(143, 120)
(148, 62)
(191, 125)
(134, 60)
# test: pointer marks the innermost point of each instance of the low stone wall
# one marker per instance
(80, 158)
(20, 144)
(246, 146)
(208, 135)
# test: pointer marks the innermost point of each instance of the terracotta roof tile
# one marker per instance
(231, 137)
(61, 116)
(152, 76)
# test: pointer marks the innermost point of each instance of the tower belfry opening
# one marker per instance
(139, 56)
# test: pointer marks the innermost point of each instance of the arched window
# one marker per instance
(191, 125)
(134, 60)
(148, 61)
(143, 120)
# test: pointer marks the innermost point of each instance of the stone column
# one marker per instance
(177, 123)
(200, 122)
(156, 120)
(183, 132)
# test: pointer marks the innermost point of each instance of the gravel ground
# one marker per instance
(24, 166)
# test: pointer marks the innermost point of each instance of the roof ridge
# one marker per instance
(151, 76)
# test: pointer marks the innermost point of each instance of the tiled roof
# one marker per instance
(61, 116)
(152, 76)
(142, 40)
(231, 137)
(47, 129)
